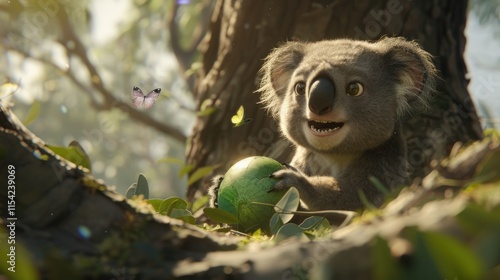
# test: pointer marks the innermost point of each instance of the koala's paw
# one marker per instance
(213, 191)
(288, 177)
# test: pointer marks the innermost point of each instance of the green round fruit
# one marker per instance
(245, 182)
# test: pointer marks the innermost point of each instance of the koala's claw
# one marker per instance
(287, 177)
(288, 166)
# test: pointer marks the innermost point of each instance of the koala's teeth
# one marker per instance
(324, 130)
(324, 127)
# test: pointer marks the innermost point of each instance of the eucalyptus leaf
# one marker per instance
(188, 219)
(454, 259)
(200, 173)
(74, 153)
(379, 185)
(182, 214)
(171, 160)
(142, 186)
(32, 114)
(207, 111)
(275, 223)
(171, 203)
(131, 191)
(384, 263)
(287, 204)
(175, 213)
(488, 169)
(220, 216)
(185, 170)
(199, 203)
(155, 203)
(288, 231)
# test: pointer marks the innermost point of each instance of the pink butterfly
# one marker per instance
(149, 99)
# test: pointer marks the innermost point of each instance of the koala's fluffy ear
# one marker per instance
(412, 67)
(276, 73)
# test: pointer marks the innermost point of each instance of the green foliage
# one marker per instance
(453, 259)
(173, 207)
(279, 226)
(207, 108)
(200, 173)
(220, 216)
(200, 203)
(23, 265)
(379, 185)
(74, 153)
(139, 188)
(384, 264)
(32, 114)
(289, 231)
(488, 170)
(275, 223)
(287, 205)
(187, 168)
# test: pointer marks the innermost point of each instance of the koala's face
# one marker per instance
(342, 96)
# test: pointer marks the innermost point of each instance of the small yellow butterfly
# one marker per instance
(238, 119)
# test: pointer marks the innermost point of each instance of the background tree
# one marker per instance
(242, 33)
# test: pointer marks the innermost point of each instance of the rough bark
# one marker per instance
(123, 239)
(243, 32)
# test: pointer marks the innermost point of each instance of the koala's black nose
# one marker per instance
(321, 96)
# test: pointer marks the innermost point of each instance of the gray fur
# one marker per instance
(396, 76)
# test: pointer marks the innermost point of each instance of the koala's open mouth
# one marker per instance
(324, 127)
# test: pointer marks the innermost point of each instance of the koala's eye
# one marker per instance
(300, 88)
(354, 89)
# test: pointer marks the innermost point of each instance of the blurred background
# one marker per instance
(75, 82)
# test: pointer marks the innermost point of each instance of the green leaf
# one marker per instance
(475, 219)
(220, 216)
(288, 231)
(487, 170)
(171, 203)
(316, 226)
(182, 214)
(200, 202)
(32, 113)
(207, 111)
(200, 173)
(142, 186)
(86, 159)
(171, 160)
(421, 265)
(25, 268)
(131, 191)
(193, 69)
(185, 170)
(311, 222)
(454, 259)
(155, 203)
(175, 213)
(275, 223)
(287, 204)
(384, 263)
(73, 153)
(379, 185)
(188, 219)
(207, 108)
(368, 205)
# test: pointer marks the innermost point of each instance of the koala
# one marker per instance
(341, 104)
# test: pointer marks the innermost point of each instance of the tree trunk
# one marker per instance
(243, 32)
